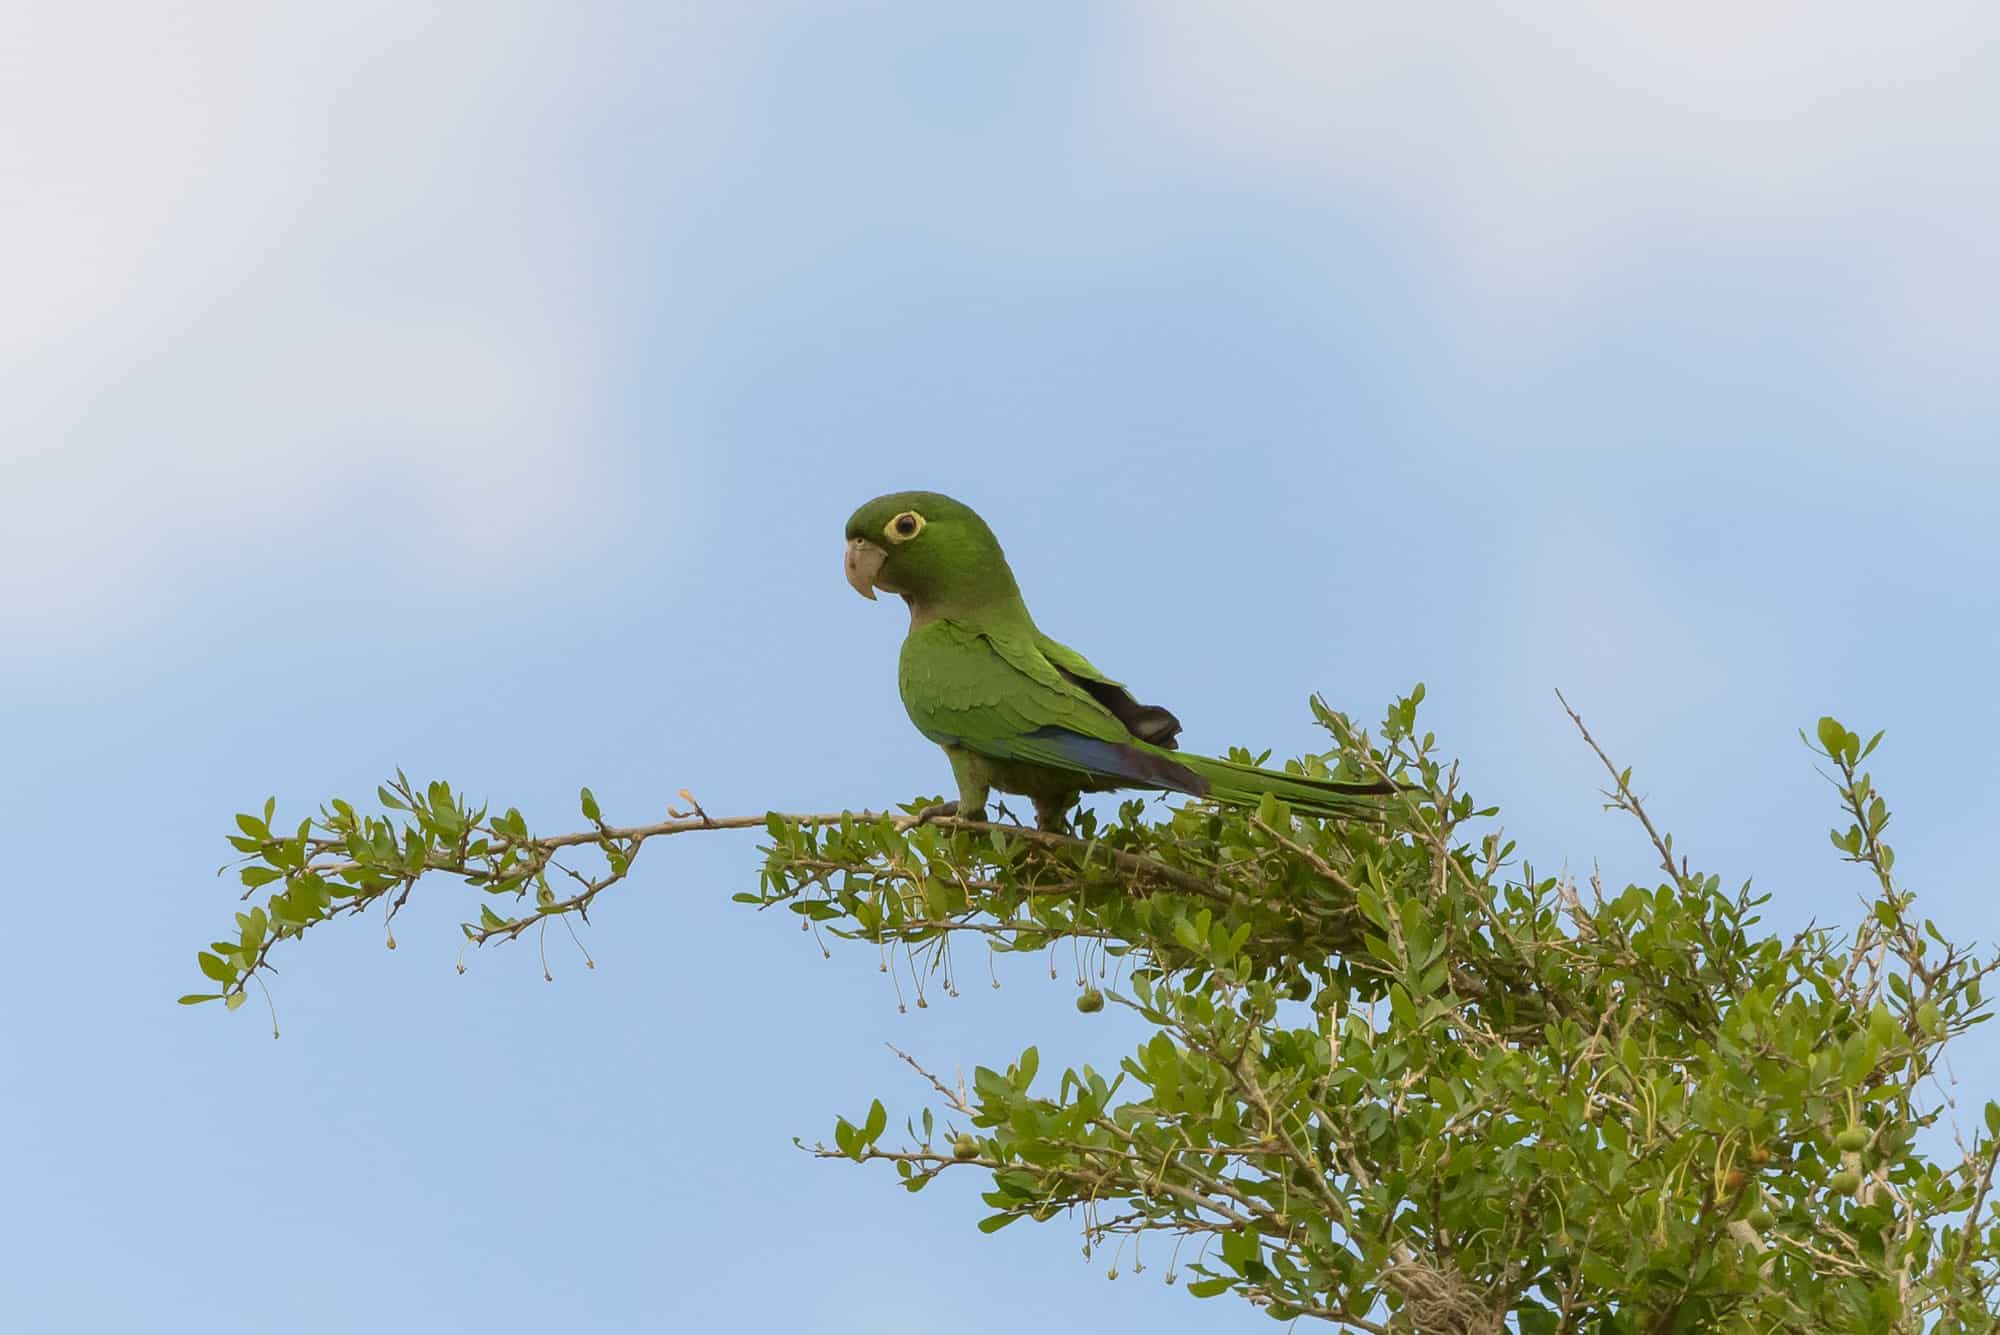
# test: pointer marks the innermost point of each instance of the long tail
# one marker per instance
(1242, 785)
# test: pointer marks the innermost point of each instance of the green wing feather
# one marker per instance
(981, 687)
(1070, 661)
(1148, 723)
(1004, 695)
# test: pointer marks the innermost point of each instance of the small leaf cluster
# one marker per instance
(340, 862)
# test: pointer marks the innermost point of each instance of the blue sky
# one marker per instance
(482, 390)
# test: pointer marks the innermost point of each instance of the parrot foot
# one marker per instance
(1053, 815)
(938, 810)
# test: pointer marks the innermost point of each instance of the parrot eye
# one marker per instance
(904, 526)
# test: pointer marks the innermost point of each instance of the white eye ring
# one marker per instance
(904, 526)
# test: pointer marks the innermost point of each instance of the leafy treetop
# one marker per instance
(1396, 1080)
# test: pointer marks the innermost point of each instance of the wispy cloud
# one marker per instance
(274, 273)
(1544, 159)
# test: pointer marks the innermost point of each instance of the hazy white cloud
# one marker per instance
(262, 262)
(274, 272)
(1540, 160)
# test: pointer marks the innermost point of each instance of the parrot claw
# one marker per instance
(938, 810)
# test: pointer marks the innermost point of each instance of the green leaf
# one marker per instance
(1536, 1319)
(590, 811)
(1831, 735)
(993, 1223)
(216, 968)
(1189, 939)
(1372, 908)
(1238, 1248)
(878, 1118)
(253, 933)
(1927, 1018)
(1401, 1007)
(1209, 1288)
(196, 998)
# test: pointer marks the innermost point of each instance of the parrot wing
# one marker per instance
(1149, 723)
(1002, 695)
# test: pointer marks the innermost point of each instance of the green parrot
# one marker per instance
(1012, 708)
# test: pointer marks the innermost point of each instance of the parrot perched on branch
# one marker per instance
(1012, 708)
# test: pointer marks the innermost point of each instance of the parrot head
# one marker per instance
(929, 548)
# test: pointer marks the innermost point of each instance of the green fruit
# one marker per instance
(1846, 1182)
(965, 1147)
(1853, 1139)
(1090, 1002)
(1760, 1218)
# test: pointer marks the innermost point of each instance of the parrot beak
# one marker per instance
(864, 561)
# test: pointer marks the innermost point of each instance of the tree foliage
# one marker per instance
(1396, 1079)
